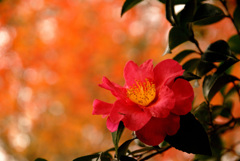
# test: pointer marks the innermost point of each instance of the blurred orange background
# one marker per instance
(53, 55)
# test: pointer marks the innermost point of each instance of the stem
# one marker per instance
(158, 152)
(210, 115)
(229, 16)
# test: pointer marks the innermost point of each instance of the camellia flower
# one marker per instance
(151, 101)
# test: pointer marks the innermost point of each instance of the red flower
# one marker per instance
(150, 101)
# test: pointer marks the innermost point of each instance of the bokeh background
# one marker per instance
(53, 55)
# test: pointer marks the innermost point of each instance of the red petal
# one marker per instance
(112, 126)
(132, 72)
(101, 108)
(116, 89)
(166, 69)
(154, 132)
(183, 93)
(164, 103)
(132, 115)
(136, 120)
(115, 114)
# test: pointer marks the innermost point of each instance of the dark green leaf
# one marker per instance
(218, 51)
(225, 66)
(235, 88)
(126, 158)
(186, 15)
(128, 4)
(180, 56)
(234, 43)
(88, 157)
(176, 1)
(191, 64)
(212, 85)
(188, 76)
(204, 67)
(177, 36)
(40, 159)
(207, 14)
(117, 135)
(223, 110)
(181, 1)
(191, 137)
(216, 145)
(202, 113)
(122, 150)
(236, 17)
(170, 13)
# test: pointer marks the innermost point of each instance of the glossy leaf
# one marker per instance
(208, 14)
(186, 15)
(180, 56)
(176, 1)
(117, 135)
(170, 13)
(105, 156)
(88, 157)
(204, 67)
(235, 88)
(212, 85)
(217, 51)
(122, 150)
(177, 36)
(191, 64)
(188, 76)
(191, 137)
(202, 113)
(225, 66)
(128, 4)
(234, 43)
(126, 158)
(40, 159)
(236, 17)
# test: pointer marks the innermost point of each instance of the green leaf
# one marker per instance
(235, 88)
(191, 64)
(176, 37)
(217, 145)
(40, 159)
(180, 56)
(204, 67)
(202, 113)
(208, 14)
(236, 17)
(212, 85)
(117, 135)
(170, 13)
(190, 76)
(104, 156)
(126, 158)
(186, 15)
(128, 4)
(87, 157)
(234, 43)
(217, 52)
(225, 66)
(176, 1)
(223, 110)
(122, 150)
(191, 137)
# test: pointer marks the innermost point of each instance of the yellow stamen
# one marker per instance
(142, 93)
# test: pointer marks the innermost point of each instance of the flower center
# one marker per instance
(142, 93)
